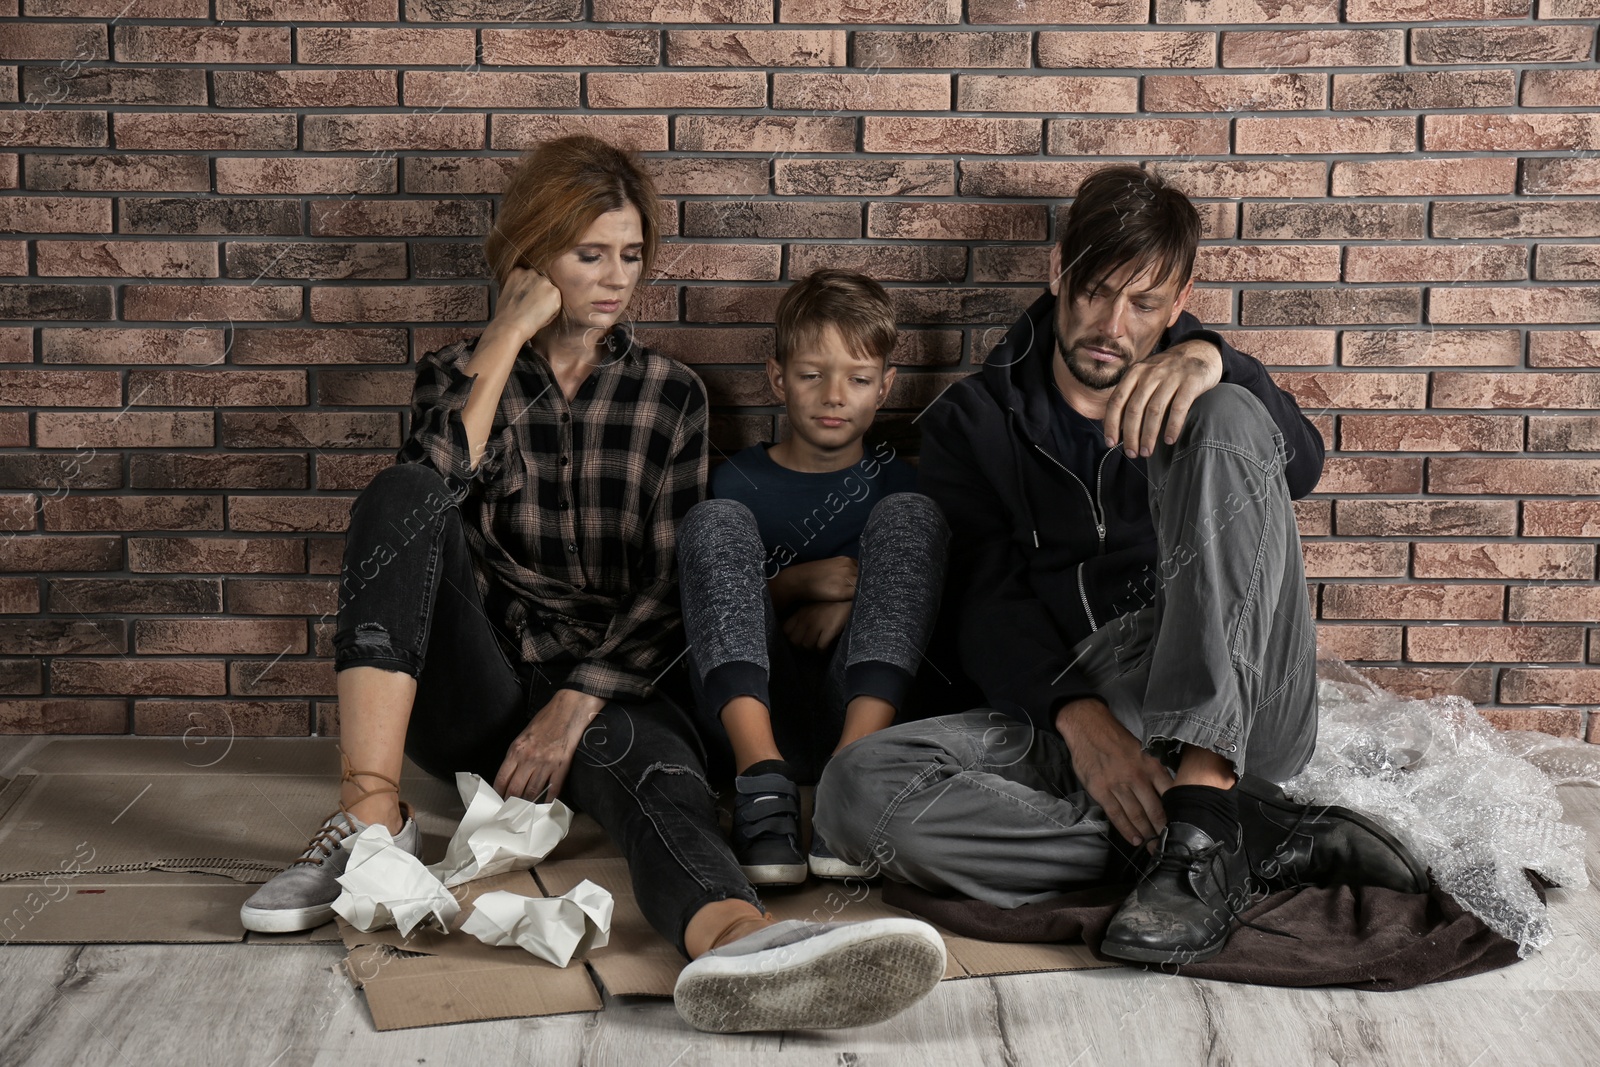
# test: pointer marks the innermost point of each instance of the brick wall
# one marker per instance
(227, 228)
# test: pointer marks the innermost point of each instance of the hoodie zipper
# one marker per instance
(1099, 520)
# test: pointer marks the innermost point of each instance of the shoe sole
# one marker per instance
(776, 873)
(284, 920)
(1272, 796)
(857, 975)
(834, 869)
(1142, 954)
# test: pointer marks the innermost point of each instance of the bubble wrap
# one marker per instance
(1476, 804)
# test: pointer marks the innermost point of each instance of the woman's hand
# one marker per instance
(818, 625)
(542, 754)
(529, 302)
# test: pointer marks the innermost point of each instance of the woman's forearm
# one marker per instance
(492, 359)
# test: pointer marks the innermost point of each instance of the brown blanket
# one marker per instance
(1361, 937)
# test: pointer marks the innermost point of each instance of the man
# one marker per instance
(1129, 594)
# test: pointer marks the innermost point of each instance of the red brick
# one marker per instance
(1430, 433)
(50, 716)
(756, 48)
(200, 131)
(1229, 11)
(43, 552)
(246, 388)
(1558, 722)
(1265, 307)
(991, 136)
(390, 47)
(1235, 92)
(1127, 49)
(704, 262)
(642, 133)
(1010, 263)
(861, 92)
(1426, 518)
(1314, 517)
(886, 263)
(1460, 263)
(1138, 137)
(132, 677)
(187, 303)
(957, 222)
(1025, 178)
(1564, 433)
(19, 596)
(1424, 683)
(283, 677)
(1452, 559)
(1446, 643)
(109, 344)
(571, 48)
(1553, 175)
(731, 218)
(365, 388)
(1299, 222)
(1354, 641)
(1051, 12)
(918, 12)
(1424, 10)
(1355, 559)
(126, 259)
(711, 177)
(219, 636)
(1561, 518)
(1550, 304)
(79, 511)
(253, 174)
(1347, 133)
(1054, 93)
(674, 91)
(1547, 685)
(350, 471)
(1425, 177)
(216, 555)
(1553, 476)
(449, 218)
(658, 11)
(1315, 48)
(711, 345)
(60, 388)
(155, 86)
(325, 555)
(1235, 178)
(329, 429)
(217, 470)
(1424, 90)
(1414, 601)
(1285, 347)
(1476, 218)
(199, 721)
(1429, 348)
(102, 173)
(1568, 263)
(77, 42)
(864, 178)
(333, 88)
(1502, 44)
(1371, 474)
(21, 676)
(1267, 263)
(1567, 348)
(1511, 133)
(134, 595)
(289, 514)
(423, 130)
(1554, 603)
(282, 596)
(1569, 9)
(34, 637)
(1560, 88)
(958, 51)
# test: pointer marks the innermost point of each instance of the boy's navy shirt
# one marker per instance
(805, 516)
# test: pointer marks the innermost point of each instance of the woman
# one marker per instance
(512, 603)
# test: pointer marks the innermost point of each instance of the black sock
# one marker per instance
(768, 766)
(1216, 811)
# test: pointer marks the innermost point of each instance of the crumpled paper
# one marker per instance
(552, 928)
(385, 885)
(498, 835)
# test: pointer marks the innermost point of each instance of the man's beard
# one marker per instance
(1094, 375)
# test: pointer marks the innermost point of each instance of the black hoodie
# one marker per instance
(1033, 567)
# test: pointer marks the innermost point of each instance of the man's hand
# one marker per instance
(821, 579)
(1160, 388)
(1119, 775)
(542, 753)
(818, 625)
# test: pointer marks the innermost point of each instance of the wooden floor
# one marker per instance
(281, 1005)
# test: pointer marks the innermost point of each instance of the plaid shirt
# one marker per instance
(573, 510)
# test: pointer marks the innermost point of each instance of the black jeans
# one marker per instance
(408, 601)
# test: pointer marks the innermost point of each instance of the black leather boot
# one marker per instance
(1188, 901)
(1293, 844)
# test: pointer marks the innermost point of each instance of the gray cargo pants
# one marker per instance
(986, 805)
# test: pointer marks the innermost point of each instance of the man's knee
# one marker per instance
(716, 517)
(863, 785)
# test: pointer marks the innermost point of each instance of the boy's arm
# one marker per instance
(822, 579)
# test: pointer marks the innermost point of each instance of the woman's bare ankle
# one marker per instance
(382, 809)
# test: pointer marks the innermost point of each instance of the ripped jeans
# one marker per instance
(640, 769)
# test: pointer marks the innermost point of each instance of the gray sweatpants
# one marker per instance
(986, 805)
(737, 645)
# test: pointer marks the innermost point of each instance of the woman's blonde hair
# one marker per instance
(558, 189)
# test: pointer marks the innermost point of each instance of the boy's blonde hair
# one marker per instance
(852, 303)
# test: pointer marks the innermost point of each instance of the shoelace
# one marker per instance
(322, 844)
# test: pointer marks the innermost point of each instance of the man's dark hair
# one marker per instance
(1126, 215)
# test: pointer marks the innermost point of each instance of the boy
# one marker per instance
(811, 578)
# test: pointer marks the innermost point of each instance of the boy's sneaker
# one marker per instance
(766, 829)
(824, 864)
(803, 975)
(301, 896)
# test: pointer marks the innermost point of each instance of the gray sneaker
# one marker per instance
(301, 896)
(803, 975)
